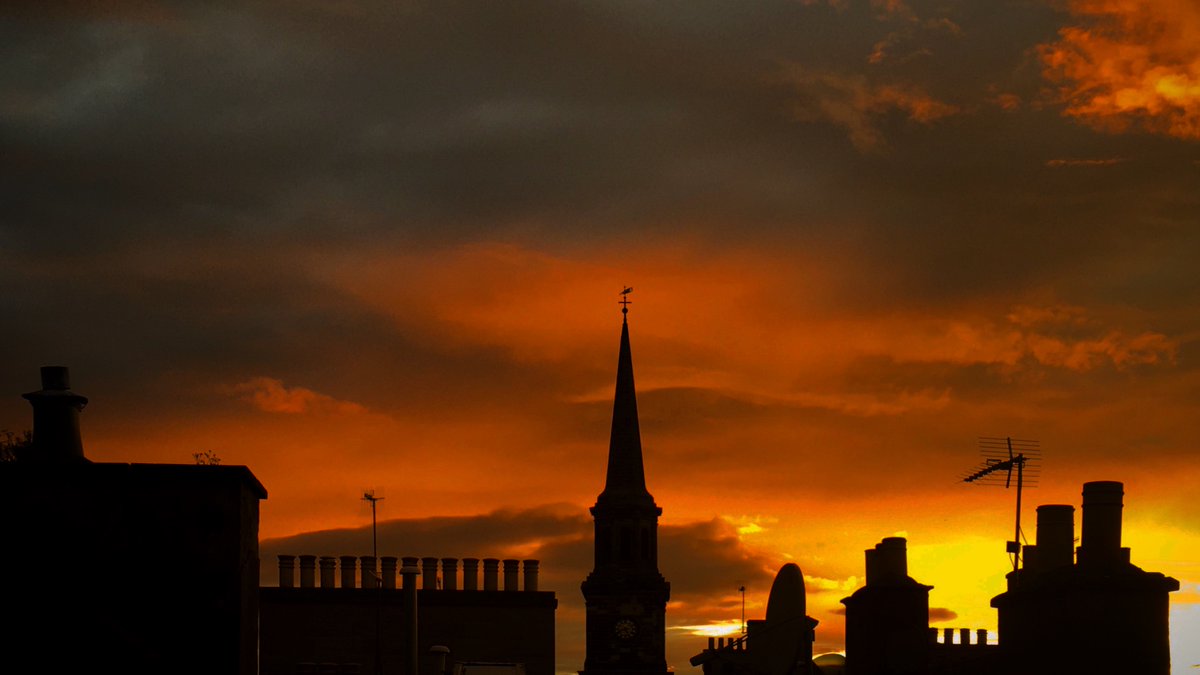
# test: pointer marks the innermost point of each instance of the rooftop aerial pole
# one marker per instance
(369, 496)
(742, 590)
(1000, 457)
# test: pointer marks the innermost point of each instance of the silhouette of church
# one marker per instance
(625, 594)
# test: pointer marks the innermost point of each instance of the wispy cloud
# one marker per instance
(855, 104)
(1108, 161)
(271, 395)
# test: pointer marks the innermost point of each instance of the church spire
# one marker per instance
(626, 478)
(625, 482)
(625, 594)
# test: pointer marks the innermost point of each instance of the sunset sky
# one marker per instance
(378, 245)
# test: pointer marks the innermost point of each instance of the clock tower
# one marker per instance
(626, 595)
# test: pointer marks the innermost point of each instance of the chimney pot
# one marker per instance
(450, 574)
(287, 571)
(349, 570)
(387, 565)
(328, 570)
(409, 572)
(307, 564)
(429, 574)
(1102, 504)
(512, 575)
(1055, 536)
(470, 574)
(370, 573)
(531, 575)
(891, 559)
(56, 410)
(491, 574)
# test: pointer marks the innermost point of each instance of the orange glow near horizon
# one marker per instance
(750, 374)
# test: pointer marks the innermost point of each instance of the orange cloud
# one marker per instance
(1132, 63)
(855, 104)
(270, 395)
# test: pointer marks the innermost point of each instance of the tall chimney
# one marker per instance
(1102, 504)
(1055, 536)
(56, 418)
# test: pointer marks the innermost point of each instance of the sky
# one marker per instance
(379, 245)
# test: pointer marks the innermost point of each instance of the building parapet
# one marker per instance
(945, 637)
(435, 573)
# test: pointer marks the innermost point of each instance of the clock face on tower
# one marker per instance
(625, 629)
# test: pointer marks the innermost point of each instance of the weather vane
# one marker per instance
(624, 302)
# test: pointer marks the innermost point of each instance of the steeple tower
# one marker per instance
(626, 595)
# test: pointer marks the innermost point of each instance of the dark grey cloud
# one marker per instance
(302, 121)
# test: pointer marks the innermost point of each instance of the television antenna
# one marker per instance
(1000, 457)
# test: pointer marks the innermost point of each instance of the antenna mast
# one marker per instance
(1004, 455)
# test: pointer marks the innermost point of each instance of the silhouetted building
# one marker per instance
(887, 620)
(625, 593)
(780, 644)
(1096, 613)
(1093, 613)
(124, 568)
(331, 620)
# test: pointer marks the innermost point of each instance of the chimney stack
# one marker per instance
(887, 563)
(1055, 536)
(56, 418)
(1102, 504)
